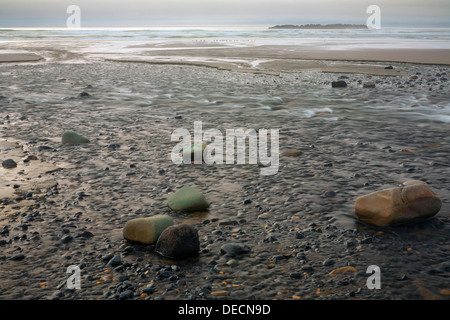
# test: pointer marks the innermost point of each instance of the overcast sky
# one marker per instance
(141, 13)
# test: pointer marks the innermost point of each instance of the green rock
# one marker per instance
(369, 84)
(70, 137)
(187, 199)
(195, 147)
(146, 230)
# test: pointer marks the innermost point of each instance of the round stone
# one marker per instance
(146, 230)
(178, 241)
(9, 164)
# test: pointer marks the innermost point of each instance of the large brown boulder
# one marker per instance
(414, 200)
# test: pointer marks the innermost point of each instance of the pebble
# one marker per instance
(70, 137)
(83, 95)
(234, 249)
(296, 275)
(19, 256)
(328, 262)
(178, 241)
(330, 193)
(339, 84)
(114, 146)
(187, 199)
(41, 148)
(9, 164)
(127, 294)
(115, 261)
(219, 293)
(66, 239)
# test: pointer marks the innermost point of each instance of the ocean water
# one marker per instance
(244, 32)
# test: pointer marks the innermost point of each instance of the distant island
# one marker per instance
(320, 26)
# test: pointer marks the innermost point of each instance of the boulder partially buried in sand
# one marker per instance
(146, 230)
(414, 200)
(70, 137)
(187, 199)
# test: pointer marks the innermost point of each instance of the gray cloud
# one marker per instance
(52, 13)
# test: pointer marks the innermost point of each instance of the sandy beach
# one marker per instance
(67, 205)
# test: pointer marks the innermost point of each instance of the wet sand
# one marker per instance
(19, 57)
(299, 224)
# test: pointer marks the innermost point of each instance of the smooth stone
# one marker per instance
(66, 239)
(113, 145)
(234, 249)
(83, 95)
(178, 241)
(369, 84)
(146, 230)
(330, 193)
(70, 137)
(414, 200)
(290, 153)
(339, 84)
(187, 199)
(41, 148)
(195, 148)
(296, 275)
(328, 262)
(342, 270)
(115, 261)
(17, 257)
(127, 294)
(9, 164)
(219, 293)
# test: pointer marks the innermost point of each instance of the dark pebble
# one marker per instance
(301, 256)
(40, 148)
(234, 249)
(308, 269)
(66, 239)
(328, 262)
(177, 241)
(296, 275)
(114, 145)
(330, 193)
(115, 261)
(83, 95)
(127, 294)
(19, 256)
(9, 164)
(339, 84)
(149, 289)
